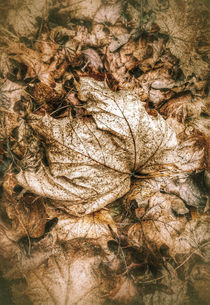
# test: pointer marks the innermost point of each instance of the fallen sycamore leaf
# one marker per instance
(94, 226)
(158, 226)
(83, 9)
(41, 63)
(194, 238)
(23, 16)
(91, 159)
(27, 216)
(68, 277)
(109, 13)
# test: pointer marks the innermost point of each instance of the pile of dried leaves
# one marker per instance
(104, 151)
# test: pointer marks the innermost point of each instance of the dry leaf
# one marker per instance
(96, 225)
(44, 94)
(79, 146)
(183, 186)
(83, 9)
(119, 41)
(23, 16)
(36, 65)
(10, 94)
(109, 13)
(63, 266)
(194, 238)
(101, 151)
(93, 59)
(125, 292)
(158, 226)
(186, 25)
(47, 47)
(180, 108)
(27, 215)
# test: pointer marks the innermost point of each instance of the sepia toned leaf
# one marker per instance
(133, 142)
(109, 13)
(23, 18)
(10, 94)
(185, 24)
(47, 47)
(94, 226)
(62, 265)
(83, 9)
(194, 238)
(158, 226)
(93, 58)
(124, 292)
(199, 278)
(27, 216)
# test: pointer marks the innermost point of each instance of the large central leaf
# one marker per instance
(91, 158)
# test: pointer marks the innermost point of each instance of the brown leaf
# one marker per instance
(158, 226)
(199, 278)
(27, 215)
(109, 13)
(194, 238)
(47, 47)
(93, 59)
(84, 9)
(185, 25)
(125, 291)
(10, 94)
(22, 17)
(26, 212)
(95, 226)
(119, 41)
(42, 93)
(29, 57)
(193, 146)
(63, 264)
(33, 60)
(120, 127)
(179, 107)
(78, 163)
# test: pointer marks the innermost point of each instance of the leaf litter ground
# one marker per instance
(104, 150)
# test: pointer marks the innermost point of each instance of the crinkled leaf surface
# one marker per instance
(186, 24)
(94, 226)
(27, 216)
(65, 280)
(158, 226)
(23, 17)
(195, 237)
(55, 274)
(92, 158)
(109, 13)
(84, 9)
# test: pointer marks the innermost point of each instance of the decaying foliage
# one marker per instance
(104, 151)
